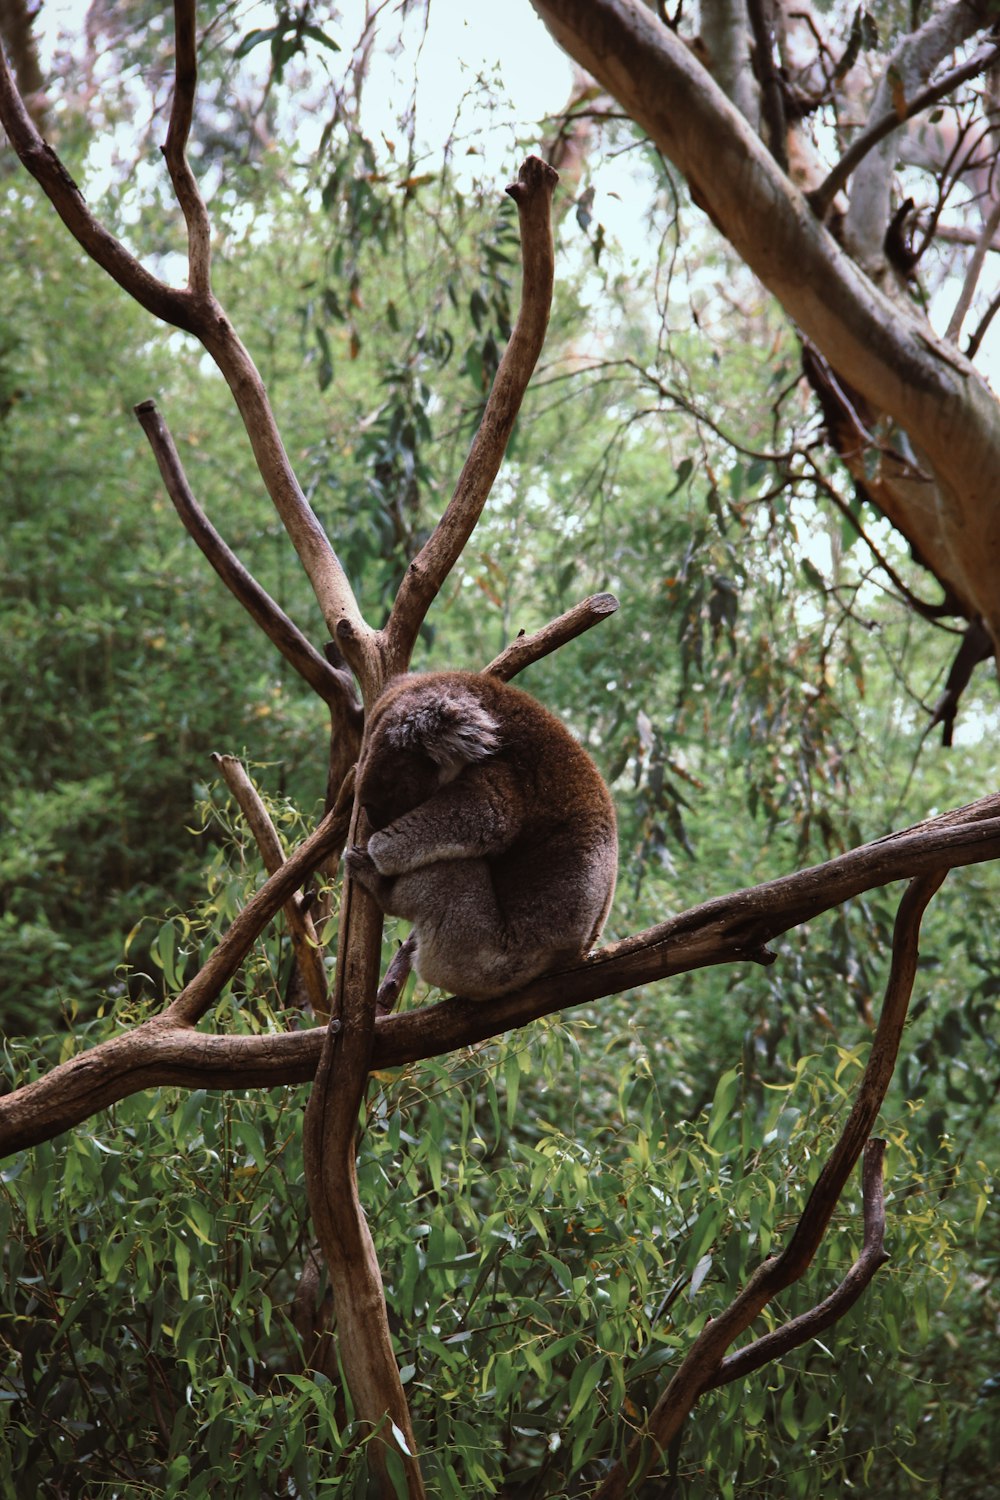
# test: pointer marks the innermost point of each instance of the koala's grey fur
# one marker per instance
(492, 831)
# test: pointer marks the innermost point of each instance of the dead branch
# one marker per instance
(566, 627)
(532, 192)
(259, 605)
(821, 198)
(175, 151)
(973, 274)
(198, 311)
(723, 930)
(305, 941)
(777, 1272)
(809, 1325)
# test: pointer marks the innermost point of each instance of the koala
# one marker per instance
(493, 832)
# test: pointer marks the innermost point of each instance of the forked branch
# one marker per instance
(723, 930)
(702, 1363)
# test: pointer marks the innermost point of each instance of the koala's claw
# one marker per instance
(358, 863)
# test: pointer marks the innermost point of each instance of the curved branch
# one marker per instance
(821, 198)
(257, 602)
(269, 615)
(165, 302)
(198, 312)
(883, 351)
(809, 1325)
(911, 64)
(566, 627)
(175, 151)
(532, 192)
(699, 1366)
(727, 929)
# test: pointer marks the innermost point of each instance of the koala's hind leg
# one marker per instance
(464, 946)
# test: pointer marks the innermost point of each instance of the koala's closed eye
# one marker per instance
(494, 833)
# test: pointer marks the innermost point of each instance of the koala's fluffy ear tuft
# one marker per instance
(451, 726)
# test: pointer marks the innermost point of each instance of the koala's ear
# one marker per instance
(448, 724)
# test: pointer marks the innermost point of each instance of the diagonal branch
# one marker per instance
(700, 1364)
(305, 940)
(727, 929)
(532, 192)
(259, 605)
(165, 302)
(566, 627)
(197, 311)
(809, 1325)
(821, 198)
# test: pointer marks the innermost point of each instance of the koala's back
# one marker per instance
(564, 859)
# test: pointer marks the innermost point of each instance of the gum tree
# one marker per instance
(355, 1031)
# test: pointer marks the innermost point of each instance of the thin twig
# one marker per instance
(973, 274)
(305, 940)
(821, 198)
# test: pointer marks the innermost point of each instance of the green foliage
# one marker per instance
(542, 1284)
(556, 1216)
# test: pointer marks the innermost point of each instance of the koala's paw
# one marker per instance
(360, 865)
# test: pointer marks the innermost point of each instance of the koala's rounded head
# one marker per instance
(423, 732)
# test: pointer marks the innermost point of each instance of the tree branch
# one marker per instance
(305, 941)
(532, 192)
(726, 929)
(811, 1324)
(777, 1272)
(259, 605)
(566, 627)
(197, 311)
(165, 302)
(821, 198)
(911, 64)
(175, 151)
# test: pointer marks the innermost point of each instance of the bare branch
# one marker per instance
(198, 312)
(269, 615)
(196, 997)
(821, 198)
(308, 949)
(175, 151)
(700, 1364)
(163, 301)
(532, 192)
(809, 1325)
(898, 95)
(566, 627)
(727, 929)
(973, 274)
(166, 1048)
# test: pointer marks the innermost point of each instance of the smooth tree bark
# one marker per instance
(921, 425)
